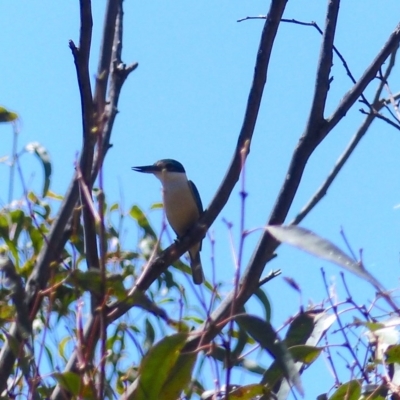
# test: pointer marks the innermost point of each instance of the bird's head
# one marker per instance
(164, 170)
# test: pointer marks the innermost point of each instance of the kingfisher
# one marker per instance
(182, 205)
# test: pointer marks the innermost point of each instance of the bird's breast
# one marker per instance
(180, 207)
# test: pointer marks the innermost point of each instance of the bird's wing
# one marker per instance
(196, 196)
(199, 204)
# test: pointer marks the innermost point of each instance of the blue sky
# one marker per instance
(187, 100)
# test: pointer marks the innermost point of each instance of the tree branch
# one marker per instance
(60, 230)
(173, 252)
(103, 69)
(377, 105)
(324, 69)
(81, 58)
(267, 244)
(243, 144)
(370, 73)
(221, 197)
(118, 75)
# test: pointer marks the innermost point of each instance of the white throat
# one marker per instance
(172, 179)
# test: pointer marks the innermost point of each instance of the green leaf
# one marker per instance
(115, 286)
(65, 295)
(62, 345)
(322, 248)
(7, 313)
(393, 354)
(247, 392)
(137, 214)
(4, 227)
(273, 376)
(264, 334)
(51, 195)
(43, 155)
(36, 238)
(242, 340)
(7, 116)
(305, 354)
(349, 391)
(114, 207)
(260, 294)
(150, 334)
(85, 280)
(179, 377)
(372, 326)
(156, 367)
(139, 299)
(69, 381)
(299, 333)
(19, 222)
(74, 384)
(260, 330)
(299, 330)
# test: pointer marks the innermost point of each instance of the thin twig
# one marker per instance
(352, 95)
(316, 26)
(342, 329)
(13, 160)
(238, 263)
(316, 128)
(337, 52)
(105, 59)
(387, 120)
(377, 104)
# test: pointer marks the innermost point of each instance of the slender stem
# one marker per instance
(342, 329)
(243, 195)
(103, 250)
(12, 167)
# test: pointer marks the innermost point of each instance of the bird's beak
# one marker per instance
(148, 169)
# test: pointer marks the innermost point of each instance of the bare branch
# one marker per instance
(81, 58)
(103, 69)
(247, 18)
(337, 52)
(119, 73)
(351, 97)
(321, 192)
(376, 106)
(324, 68)
(315, 126)
(387, 120)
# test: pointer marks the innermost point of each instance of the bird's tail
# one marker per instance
(197, 269)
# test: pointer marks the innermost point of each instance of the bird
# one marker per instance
(182, 205)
